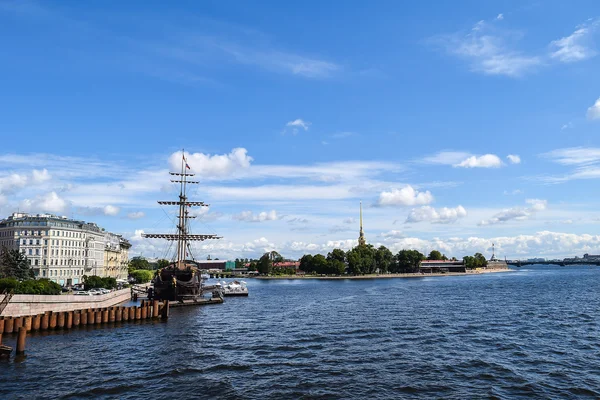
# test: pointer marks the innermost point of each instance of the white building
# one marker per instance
(61, 249)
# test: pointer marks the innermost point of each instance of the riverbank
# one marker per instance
(382, 276)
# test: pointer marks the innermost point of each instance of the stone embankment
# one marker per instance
(32, 304)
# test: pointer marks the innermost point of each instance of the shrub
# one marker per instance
(39, 286)
(95, 282)
(8, 283)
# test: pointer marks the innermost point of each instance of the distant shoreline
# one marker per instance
(381, 276)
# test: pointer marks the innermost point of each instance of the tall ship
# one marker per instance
(181, 280)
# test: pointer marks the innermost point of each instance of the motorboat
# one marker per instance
(235, 288)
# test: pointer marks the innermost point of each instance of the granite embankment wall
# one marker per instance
(32, 304)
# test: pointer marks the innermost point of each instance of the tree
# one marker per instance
(306, 264)
(14, 264)
(409, 260)
(469, 262)
(336, 267)
(361, 260)
(383, 258)
(337, 254)
(480, 261)
(142, 275)
(435, 255)
(320, 264)
(265, 264)
(137, 263)
(162, 263)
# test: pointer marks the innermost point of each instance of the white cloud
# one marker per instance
(574, 155)
(295, 125)
(514, 159)
(349, 221)
(111, 210)
(446, 158)
(407, 196)
(393, 234)
(500, 17)
(486, 49)
(484, 161)
(437, 216)
(49, 202)
(577, 46)
(517, 213)
(594, 111)
(41, 176)
(136, 215)
(213, 166)
(249, 216)
(513, 192)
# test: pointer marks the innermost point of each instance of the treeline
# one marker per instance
(362, 260)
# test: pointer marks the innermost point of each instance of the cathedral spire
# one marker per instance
(361, 236)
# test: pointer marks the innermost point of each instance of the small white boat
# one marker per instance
(235, 288)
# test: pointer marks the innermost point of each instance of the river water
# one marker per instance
(531, 333)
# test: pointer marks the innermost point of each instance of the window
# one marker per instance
(37, 241)
(45, 242)
(30, 241)
(44, 273)
(44, 262)
(45, 252)
(37, 252)
(37, 262)
(30, 252)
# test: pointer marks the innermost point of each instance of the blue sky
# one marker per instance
(292, 113)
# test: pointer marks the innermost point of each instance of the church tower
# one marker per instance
(361, 236)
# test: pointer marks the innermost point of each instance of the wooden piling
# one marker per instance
(132, 313)
(118, 314)
(91, 317)
(144, 312)
(69, 323)
(84, 317)
(112, 314)
(45, 323)
(104, 315)
(37, 320)
(0, 338)
(165, 310)
(9, 324)
(76, 318)
(138, 313)
(98, 316)
(17, 324)
(60, 323)
(53, 320)
(124, 314)
(21, 340)
(1, 325)
(155, 309)
(28, 322)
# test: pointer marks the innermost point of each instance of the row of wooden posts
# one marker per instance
(72, 319)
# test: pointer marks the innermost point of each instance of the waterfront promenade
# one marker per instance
(383, 276)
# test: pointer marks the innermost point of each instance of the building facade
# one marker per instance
(64, 250)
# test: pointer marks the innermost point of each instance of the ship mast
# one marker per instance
(182, 236)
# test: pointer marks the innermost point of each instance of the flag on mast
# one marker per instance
(185, 161)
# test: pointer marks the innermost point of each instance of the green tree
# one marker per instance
(383, 259)
(162, 263)
(276, 257)
(137, 263)
(361, 260)
(14, 264)
(320, 264)
(480, 261)
(336, 267)
(142, 275)
(469, 262)
(409, 260)
(306, 264)
(265, 264)
(337, 254)
(8, 284)
(435, 255)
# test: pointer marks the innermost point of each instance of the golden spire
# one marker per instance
(361, 237)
